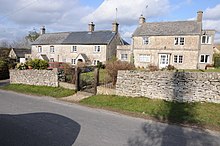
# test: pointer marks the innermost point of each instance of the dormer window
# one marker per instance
(206, 39)
(145, 40)
(179, 41)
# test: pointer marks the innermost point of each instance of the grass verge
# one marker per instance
(202, 115)
(56, 92)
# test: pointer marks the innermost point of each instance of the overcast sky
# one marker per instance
(19, 17)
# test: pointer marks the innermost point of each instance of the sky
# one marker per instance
(19, 17)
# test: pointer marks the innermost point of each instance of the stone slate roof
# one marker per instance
(168, 28)
(83, 37)
(20, 52)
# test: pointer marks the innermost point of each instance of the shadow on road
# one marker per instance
(4, 82)
(181, 113)
(37, 129)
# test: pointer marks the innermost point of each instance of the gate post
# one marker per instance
(77, 82)
(96, 81)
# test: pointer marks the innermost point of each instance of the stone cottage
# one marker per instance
(183, 44)
(89, 47)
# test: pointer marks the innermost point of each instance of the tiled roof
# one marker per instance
(20, 52)
(83, 37)
(168, 28)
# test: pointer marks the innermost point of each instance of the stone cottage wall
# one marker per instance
(34, 77)
(171, 86)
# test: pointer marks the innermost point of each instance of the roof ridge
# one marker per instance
(172, 21)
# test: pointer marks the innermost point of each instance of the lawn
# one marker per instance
(203, 115)
(56, 92)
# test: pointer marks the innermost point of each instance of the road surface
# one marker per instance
(43, 121)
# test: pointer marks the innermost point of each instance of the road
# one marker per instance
(43, 121)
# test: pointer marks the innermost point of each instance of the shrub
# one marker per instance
(37, 64)
(21, 66)
(153, 67)
(100, 65)
(217, 62)
(114, 65)
(170, 67)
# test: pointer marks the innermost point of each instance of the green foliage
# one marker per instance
(40, 90)
(201, 114)
(3, 64)
(32, 36)
(21, 66)
(37, 64)
(100, 65)
(216, 59)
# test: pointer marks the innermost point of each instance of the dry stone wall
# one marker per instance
(171, 86)
(34, 77)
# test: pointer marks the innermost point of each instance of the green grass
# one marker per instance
(56, 92)
(200, 114)
(200, 70)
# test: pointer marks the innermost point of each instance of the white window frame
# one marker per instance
(124, 56)
(51, 59)
(95, 61)
(178, 59)
(74, 49)
(40, 50)
(207, 40)
(144, 58)
(145, 40)
(179, 41)
(206, 58)
(73, 61)
(52, 50)
(97, 49)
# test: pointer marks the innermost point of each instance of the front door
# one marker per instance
(163, 60)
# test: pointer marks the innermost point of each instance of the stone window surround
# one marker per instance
(73, 61)
(204, 58)
(95, 62)
(206, 39)
(124, 56)
(145, 40)
(52, 50)
(179, 41)
(178, 59)
(143, 58)
(40, 50)
(74, 49)
(97, 49)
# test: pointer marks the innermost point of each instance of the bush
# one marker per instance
(21, 66)
(37, 64)
(170, 67)
(216, 59)
(152, 67)
(113, 66)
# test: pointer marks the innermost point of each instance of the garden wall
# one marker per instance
(34, 77)
(171, 86)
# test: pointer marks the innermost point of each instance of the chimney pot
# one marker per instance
(91, 27)
(115, 27)
(42, 30)
(141, 20)
(199, 16)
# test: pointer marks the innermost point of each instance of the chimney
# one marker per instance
(141, 20)
(42, 30)
(115, 27)
(199, 16)
(91, 27)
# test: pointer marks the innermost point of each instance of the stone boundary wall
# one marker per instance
(105, 91)
(35, 77)
(171, 86)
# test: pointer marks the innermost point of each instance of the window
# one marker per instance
(204, 59)
(95, 62)
(73, 61)
(39, 49)
(178, 59)
(51, 59)
(51, 49)
(74, 49)
(97, 48)
(145, 40)
(179, 41)
(206, 39)
(124, 56)
(144, 58)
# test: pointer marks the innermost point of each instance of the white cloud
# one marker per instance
(212, 20)
(128, 12)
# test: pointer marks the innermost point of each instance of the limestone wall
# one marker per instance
(177, 86)
(34, 77)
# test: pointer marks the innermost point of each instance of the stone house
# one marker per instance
(183, 44)
(20, 54)
(89, 47)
